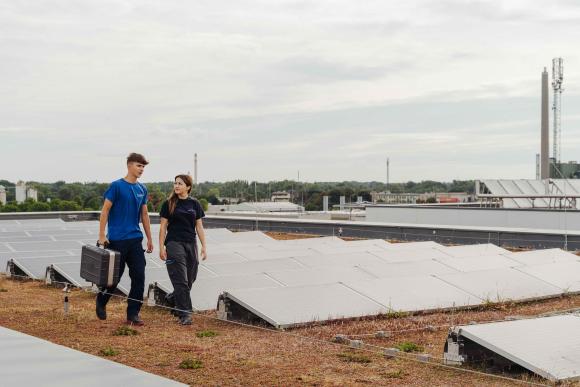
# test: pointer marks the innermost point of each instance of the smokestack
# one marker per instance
(195, 169)
(545, 129)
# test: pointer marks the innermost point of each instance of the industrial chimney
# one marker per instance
(545, 129)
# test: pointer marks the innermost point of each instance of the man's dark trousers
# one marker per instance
(133, 255)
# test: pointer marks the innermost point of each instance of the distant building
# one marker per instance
(2, 195)
(569, 170)
(20, 192)
(257, 207)
(280, 196)
(23, 192)
(31, 193)
(415, 198)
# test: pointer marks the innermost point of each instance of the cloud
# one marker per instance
(260, 89)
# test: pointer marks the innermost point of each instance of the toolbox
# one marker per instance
(100, 266)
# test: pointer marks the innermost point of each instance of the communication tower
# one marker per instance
(557, 79)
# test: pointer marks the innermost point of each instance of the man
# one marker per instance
(125, 205)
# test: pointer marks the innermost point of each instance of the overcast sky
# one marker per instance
(262, 89)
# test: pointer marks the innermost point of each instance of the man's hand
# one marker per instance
(162, 253)
(149, 246)
(203, 254)
(103, 241)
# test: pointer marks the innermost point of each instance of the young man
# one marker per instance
(125, 205)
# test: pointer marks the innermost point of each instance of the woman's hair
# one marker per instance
(173, 197)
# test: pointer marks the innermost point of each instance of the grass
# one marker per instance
(398, 374)
(125, 331)
(109, 351)
(408, 346)
(190, 364)
(206, 333)
(353, 358)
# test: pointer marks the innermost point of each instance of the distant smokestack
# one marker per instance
(195, 169)
(545, 129)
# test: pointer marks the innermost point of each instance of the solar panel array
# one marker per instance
(531, 187)
(30, 361)
(293, 282)
(553, 353)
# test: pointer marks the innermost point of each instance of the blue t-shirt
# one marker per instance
(125, 214)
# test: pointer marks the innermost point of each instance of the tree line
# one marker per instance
(62, 196)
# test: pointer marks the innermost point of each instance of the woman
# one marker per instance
(180, 223)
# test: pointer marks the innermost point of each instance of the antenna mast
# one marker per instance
(557, 79)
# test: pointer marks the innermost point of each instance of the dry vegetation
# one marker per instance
(213, 352)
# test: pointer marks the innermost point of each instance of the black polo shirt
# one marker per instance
(181, 226)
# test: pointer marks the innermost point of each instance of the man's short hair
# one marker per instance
(137, 158)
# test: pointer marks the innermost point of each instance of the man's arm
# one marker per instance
(147, 226)
(103, 219)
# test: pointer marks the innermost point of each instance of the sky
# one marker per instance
(266, 90)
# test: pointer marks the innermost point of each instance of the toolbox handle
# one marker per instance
(104, 246)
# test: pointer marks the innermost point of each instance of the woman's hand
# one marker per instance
(162, 253)
(203, 254)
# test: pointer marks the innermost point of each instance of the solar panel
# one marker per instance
(45, 246)
(478, 263)
(538, 257)
(565, 275)
(408, 255)
(313, 303)
(338, 260)
(405, 269)
(473, 250)
(35, 268)
(414, 293)
(225, 257)
(414, 245)
(26, 238)
(502, 284)
(319, 275)
(30, 361)
(253, 267)
(205, 291)
(547, 346)
(74, 232)
(250, 252)
(312, 242)
(10, 234)
(67, 272)
(380, 243)
(327, 249)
